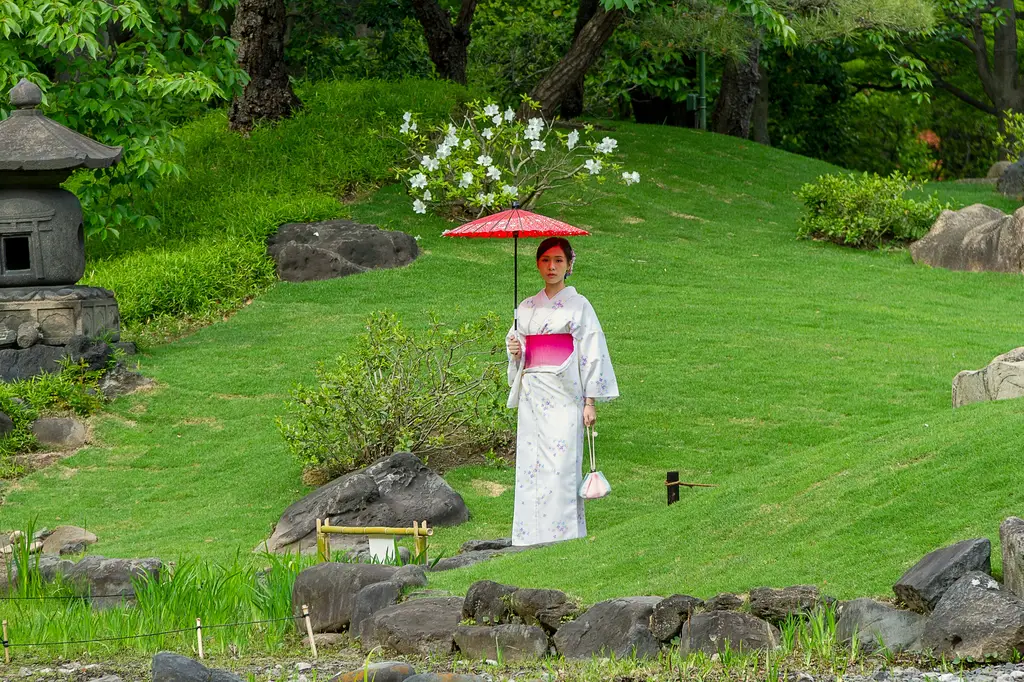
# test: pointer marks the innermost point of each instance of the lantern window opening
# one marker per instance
(16, 253)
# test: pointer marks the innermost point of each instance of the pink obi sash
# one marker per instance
(548, 349)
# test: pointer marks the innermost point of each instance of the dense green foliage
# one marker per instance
(865, 210)
(208, 253)
(399, 391)
(73, 389)
(123, 73)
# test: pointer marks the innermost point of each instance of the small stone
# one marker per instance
(60, 432)
(105, 678)
(303, 666)
(1017, 674)
(948, 677)
(726, 601)
(28, 334)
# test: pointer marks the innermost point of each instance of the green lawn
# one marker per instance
(810, 383)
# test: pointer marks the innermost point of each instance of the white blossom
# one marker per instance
(452, 130)
(484, 160)
(606, 146)
(489, 199)
(532, 134)
(573, 138)
(419, 181)
(408, 128)
(466, 180)
(510, 189)
(487, 133)
(467, 143)
(536, 122)
(493, 173)
(429, 163)
(496, 119)
(426, 195)
(407, 116)
(593, 165)
(443, 152)
(491, 110)
(538, 146)
(509, 114)
(419, 207)
(631, 178)
(451, 140)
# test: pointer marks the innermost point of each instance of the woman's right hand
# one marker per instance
(515, 349)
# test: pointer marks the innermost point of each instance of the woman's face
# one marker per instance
(552, 265)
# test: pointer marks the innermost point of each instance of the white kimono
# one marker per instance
(549, 439)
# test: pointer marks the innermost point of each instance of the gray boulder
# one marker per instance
(28, 334)
(421, 627)
(330, 590)
(878, 625)
(1001, 379)
(670, 614)
(1011, 539)
(996, 170)
(775, 605)
(726, 601)
(619, 627)
(923, 585)
(502, 642)
(66, 433)
(108, 582)
(6, 424)
(488, 603)
(477, 545)
(168, 667)
(372, 599)
(336, 248)
(547, 608)
(395, 491)
(977, 238)
(25, 363)
(63, 537)
(1011, 180)
(709, 632)
(976, 619)
(385, 671)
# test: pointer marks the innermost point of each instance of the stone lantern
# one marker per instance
(42, 241)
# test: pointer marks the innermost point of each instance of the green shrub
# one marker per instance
(865, 210)
(73, 389)
(441, 391)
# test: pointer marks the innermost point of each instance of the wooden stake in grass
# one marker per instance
(672, 482)
(7, 645)
(309, 629)
(320, 541)
(199, 637)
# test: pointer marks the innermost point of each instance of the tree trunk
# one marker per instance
(759, 125)
(551, 91)
(448, 44)
(259, 28)
(572, 104)
(734, 107)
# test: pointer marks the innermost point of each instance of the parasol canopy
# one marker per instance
(515, 223)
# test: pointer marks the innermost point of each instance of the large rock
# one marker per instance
(923, 585)
(1001, 379)
(547, 608)
(878, 625)
(775, 605)
(996, 170)
(619, 627)
(1011, 539)
(726, 601)
(107, 582)
(335, 248)
(371, 599)
(66, 433)
(976, 619)
(330, 589)
(421, 627)
(488, 603)
(502, 642)
(393, 492)
(709, 632)
(1011, 180)
(477, 545)
(977, 238)
(670, 614)
(64, 538)
(168, 667)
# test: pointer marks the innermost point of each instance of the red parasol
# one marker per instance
(515, 223)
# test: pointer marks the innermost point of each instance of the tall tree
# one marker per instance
(259, 28)
(572, 104)
(447, 43)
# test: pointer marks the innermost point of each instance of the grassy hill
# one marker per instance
(810, 383)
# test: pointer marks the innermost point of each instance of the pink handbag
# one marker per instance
(595, 485)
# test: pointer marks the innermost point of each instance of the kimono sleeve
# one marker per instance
(596, 373)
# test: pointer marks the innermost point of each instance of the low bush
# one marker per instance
(439, 391)
(73, 389)
(865, 210)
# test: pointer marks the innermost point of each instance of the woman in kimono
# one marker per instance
(558, 367)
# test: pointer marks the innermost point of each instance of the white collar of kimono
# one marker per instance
(564, 293)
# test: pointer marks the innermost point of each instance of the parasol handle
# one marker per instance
(515, 280)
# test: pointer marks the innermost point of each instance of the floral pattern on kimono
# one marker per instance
(549, 437)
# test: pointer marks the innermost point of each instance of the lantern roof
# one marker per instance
(29, 141)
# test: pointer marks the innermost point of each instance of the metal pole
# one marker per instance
(702, 100)
(515, 279)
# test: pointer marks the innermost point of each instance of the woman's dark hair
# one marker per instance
(552, 242)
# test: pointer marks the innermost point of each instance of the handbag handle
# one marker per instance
(590, 443)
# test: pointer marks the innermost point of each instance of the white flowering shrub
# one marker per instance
(491, 159)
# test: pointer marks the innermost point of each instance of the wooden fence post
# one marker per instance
(672, 485)
(199, 637)
(7, 645)
(309, 629)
